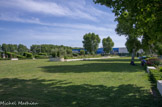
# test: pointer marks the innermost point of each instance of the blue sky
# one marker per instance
(59, 22)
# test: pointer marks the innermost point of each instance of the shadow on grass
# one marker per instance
(112, 60)
(92, 67)
(53, 93)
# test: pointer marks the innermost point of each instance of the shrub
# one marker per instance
(41, 56)
(58, 54)
(160, 69)
(54, 54)
(28, 55)
(61, 53)
(75, 54)
(82, 52)
(21, 57)
(69, 51)
(10, 55)
(157, 75)
(65, 57)
(153, 61)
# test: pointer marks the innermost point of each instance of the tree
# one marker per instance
(144, 15)
(91, 42)
(22, 49)
(158, 48)
(5, 47)
(0, 48)
(137, 18)
(133, 45)
(82, 52)
(147, 44)
(107, 44)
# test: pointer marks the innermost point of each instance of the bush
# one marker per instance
(21, 57)
(61, 52)
(153, 61)
(160, 69)
(10, 55)
(75, 54)
(54, 54)
(69, 51)
(58, 54)
(40, 57)
(156, 74)
(28, 55)
(43, 54)
(65, 57)
(82, 52)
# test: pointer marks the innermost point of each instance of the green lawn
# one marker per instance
(98, 83)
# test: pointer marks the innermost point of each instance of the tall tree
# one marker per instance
(107, 44)
(147, 44)
(5, 47)
(133, 45)
(0, 48)
(145, 15)
(91, 42)
(22, 49)
(138, 18)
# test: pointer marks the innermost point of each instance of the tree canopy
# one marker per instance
(107, 44)
(142, 15)
(91, 42)
(22, 49)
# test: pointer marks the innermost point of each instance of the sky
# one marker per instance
(58, 22)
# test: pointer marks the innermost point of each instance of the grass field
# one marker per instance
(98, 83)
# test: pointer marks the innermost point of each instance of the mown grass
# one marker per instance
(97, 83)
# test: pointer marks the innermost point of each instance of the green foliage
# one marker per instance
(11, 55)
(43, 54)
(65, 57)
(54, 54)
(59, 52)
(158, 48)
(0, 48)
(69, 51)
(28, 55)
(21, 57)
(82, 52)
(160, 69)
(133, 44)
(75, 54)
(41, 57)
(91, 42)
(9, 47)
(153, 61)
(107, 44)
(138, 18)
(157, 75)
(143, 15)
(62, 52)
(48, 48)
(22, 49)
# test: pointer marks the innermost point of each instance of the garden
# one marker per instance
(95, 83)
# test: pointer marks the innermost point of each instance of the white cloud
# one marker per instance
(52, 8)
(37, 21)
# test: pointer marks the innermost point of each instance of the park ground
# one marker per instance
(95, 83)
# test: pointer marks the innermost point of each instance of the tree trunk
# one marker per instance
(133, 55)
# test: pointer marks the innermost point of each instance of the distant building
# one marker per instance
(122, 50)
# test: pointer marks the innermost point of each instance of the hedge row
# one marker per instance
(156, 74)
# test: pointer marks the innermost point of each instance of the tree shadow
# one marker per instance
(54, 93)
(114, 60)
(92, 67)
